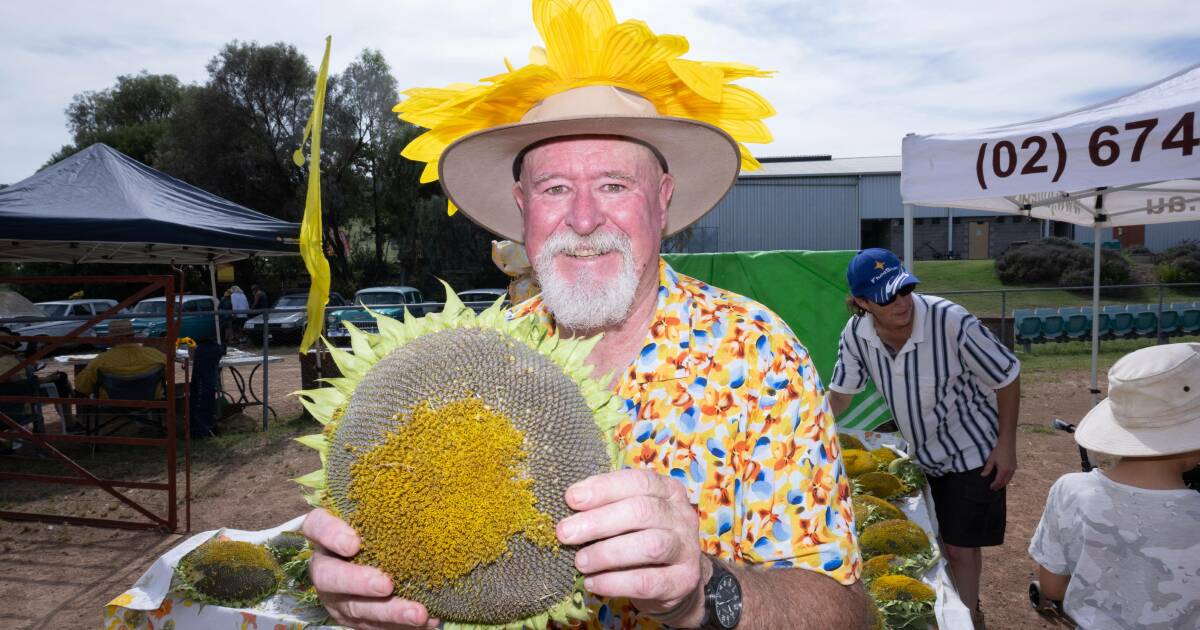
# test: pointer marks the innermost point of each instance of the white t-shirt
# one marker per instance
(1133, 554)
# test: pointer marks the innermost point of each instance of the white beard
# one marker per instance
(586, 303)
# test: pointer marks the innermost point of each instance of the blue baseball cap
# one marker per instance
(876, 274)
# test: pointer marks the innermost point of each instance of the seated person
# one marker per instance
(1121, 547)
(127, 357)
(10, 357)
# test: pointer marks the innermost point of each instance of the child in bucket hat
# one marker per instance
(1121, 547)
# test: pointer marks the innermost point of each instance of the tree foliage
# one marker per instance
(234, 135)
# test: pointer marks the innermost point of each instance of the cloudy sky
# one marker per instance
(852, 79)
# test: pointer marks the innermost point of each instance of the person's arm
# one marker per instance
(849, 373)
(637, 531)
(1003, 458)
(838, 402)
(1053, 585)
(85, 381)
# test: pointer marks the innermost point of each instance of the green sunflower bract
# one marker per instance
(449, 443)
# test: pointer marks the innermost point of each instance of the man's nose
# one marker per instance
(585, 214)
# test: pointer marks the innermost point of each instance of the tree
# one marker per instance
(131, 116)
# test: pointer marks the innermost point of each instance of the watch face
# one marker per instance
(727, 601)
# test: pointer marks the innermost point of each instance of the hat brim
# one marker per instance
(1099, 431)
(476, 171)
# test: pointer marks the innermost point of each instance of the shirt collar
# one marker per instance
(920, 313)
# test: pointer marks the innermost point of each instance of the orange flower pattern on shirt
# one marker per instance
(724, 398)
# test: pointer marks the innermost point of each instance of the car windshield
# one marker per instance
(157, 307)
(292, 301)
(380, 298)
(54, 310)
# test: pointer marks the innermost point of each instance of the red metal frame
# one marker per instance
(167, 344)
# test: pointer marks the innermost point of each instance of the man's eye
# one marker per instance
(555, 190)
(612, 187)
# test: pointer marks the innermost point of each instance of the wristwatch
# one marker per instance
(722, 599)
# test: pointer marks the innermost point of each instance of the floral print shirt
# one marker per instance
(723, 398)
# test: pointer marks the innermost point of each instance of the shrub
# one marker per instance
(1180, 263)
(1060, 262)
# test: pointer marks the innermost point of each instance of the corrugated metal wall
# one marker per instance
(1160, 236)
(760, 214)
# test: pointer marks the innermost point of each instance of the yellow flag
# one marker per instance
(310, 228)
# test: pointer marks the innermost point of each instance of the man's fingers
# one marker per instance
(610, 487)
(625, 515)
(330, 532)
(987, 468)
(383, 613)
(649, 547)
(331, 574)
(649, 583)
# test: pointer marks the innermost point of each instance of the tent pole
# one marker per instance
(908, 236)
(1095, 313)
(212, 282)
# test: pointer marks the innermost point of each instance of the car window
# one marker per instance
(157, 307)
(80, 309)
(291, 301)
(336, 300)
(53, 310)
(380, 298)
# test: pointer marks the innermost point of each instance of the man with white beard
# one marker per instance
(732, 508)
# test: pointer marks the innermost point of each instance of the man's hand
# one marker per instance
(355, 596)
(1004, 461)
(638, 538)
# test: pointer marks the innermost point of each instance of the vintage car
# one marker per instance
(63, 317)
(196, 322)
(390, 301)
(480, 299)
(290, 323)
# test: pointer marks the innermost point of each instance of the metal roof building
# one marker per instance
(820, 203)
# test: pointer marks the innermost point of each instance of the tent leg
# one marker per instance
(1095, 314)
(908, 236)
(212, 282)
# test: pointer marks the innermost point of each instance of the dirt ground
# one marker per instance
(61, 576)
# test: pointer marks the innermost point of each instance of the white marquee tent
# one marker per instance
(1132, 160)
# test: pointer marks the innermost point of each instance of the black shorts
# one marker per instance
(969, 512)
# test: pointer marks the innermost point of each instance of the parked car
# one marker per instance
(290, 324)
(480, 299)
(390, 301)
(55, 326)
(151, 321)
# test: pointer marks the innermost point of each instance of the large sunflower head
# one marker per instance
(586, 46)
(449, 443)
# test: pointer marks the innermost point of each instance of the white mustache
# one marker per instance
(570, 243)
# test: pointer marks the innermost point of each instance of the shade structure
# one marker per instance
(1131, 160)
(101, 205)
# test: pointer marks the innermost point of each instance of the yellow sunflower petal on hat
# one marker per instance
(585, 45)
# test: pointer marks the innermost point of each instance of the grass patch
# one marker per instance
(944, 277)
(1037, 428)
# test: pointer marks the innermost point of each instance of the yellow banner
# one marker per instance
(310, 228)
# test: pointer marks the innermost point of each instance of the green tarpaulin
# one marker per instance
(808, 290)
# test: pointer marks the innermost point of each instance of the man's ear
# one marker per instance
(666, 188)
(863, 304)
(519, 196)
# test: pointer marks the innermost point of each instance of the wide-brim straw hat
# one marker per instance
(120, 328)
(477, 170)
(1153, 405)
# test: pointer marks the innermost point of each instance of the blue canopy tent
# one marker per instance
(102, 206)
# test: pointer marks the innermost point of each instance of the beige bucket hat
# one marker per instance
(1153, 405)
(477, 171)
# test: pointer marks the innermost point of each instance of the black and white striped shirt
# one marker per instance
(940, 386)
